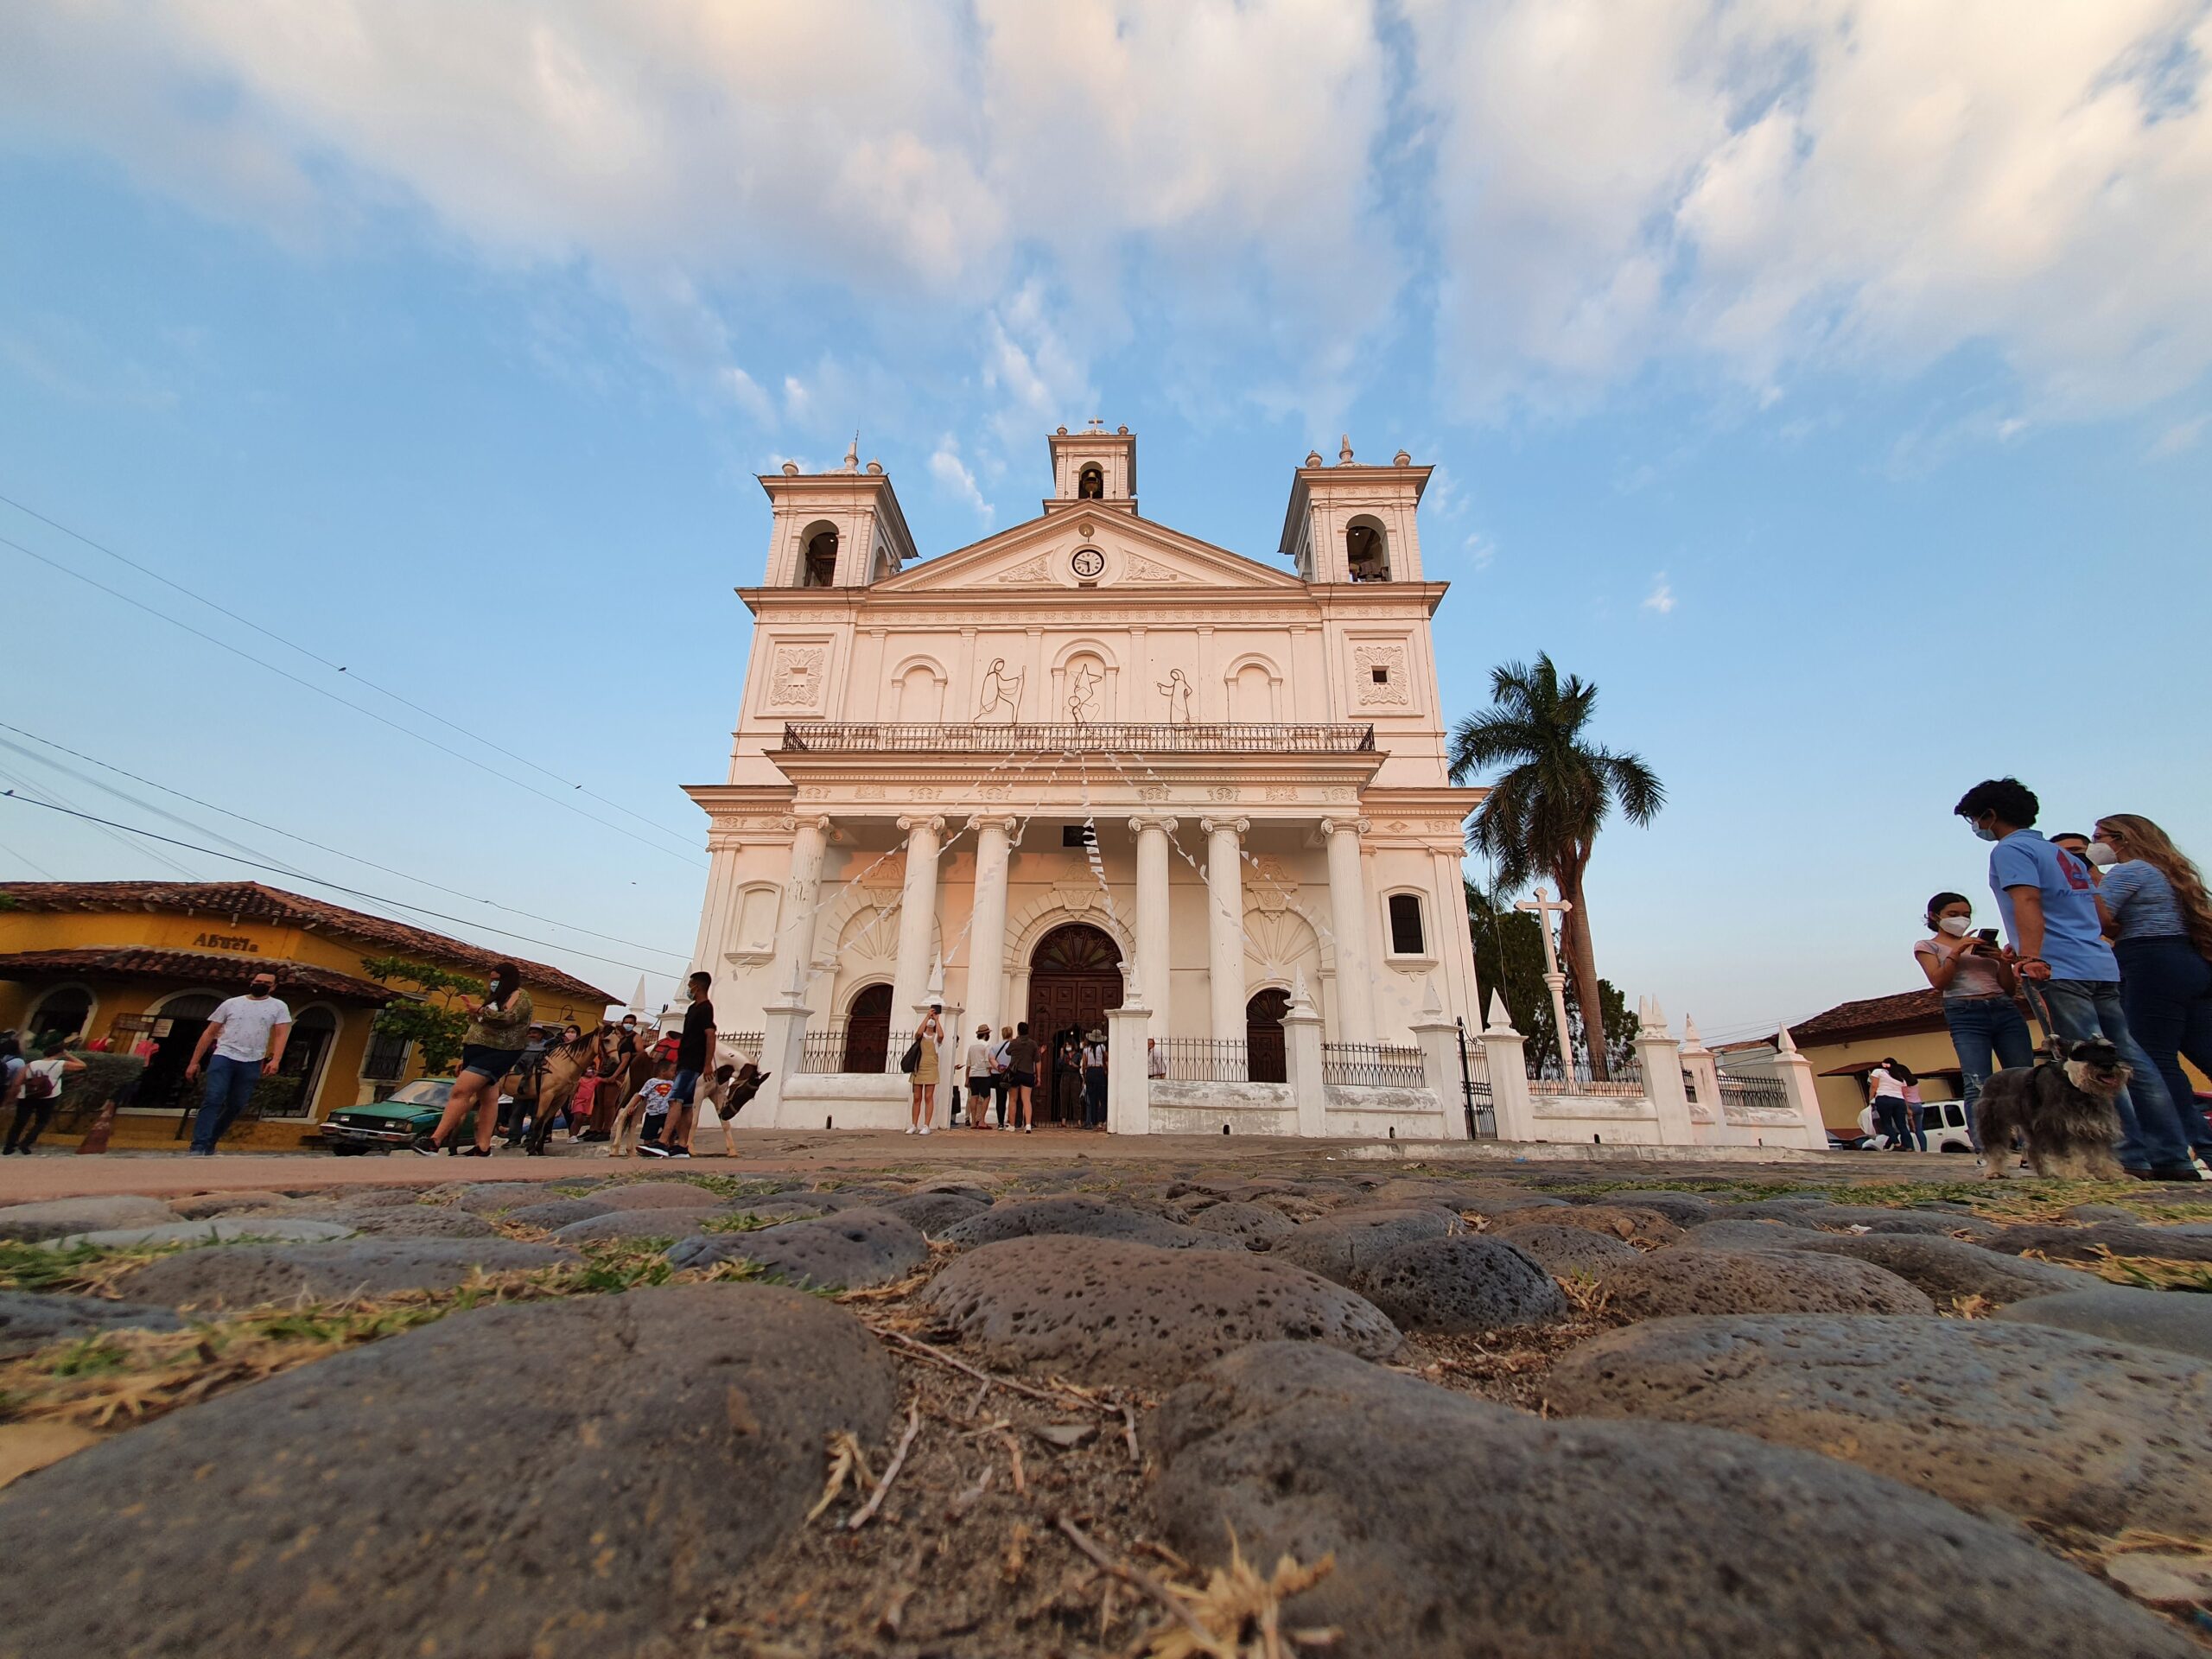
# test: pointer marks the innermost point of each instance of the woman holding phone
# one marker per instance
(1977, 986)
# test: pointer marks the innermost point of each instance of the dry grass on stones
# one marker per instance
(1007, 1507)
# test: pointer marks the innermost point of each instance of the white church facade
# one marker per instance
(1092, 763)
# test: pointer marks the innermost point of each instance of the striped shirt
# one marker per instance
(2142, 902)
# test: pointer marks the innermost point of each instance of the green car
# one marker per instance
(386, 1125)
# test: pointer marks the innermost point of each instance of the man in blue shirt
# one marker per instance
(2050, 907)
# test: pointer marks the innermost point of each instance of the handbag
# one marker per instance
(910, 1061)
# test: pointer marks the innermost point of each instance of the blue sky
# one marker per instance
(1828, 381)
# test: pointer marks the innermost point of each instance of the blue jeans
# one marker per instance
(230, 1085)
(2151, 1134)
(2166, 988)
(1094, 1099)
(1985, 1029)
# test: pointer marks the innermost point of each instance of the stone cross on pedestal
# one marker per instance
(1543, 905)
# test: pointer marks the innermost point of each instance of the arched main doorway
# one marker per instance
(867, 1030)
(1263, 1037)
(1075, 975)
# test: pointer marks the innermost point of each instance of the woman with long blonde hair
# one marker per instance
(2158, 917)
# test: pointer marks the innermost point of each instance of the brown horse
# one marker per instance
(563, 1069)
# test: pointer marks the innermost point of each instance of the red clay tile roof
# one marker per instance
(295, 981)
(252, 899)
(1900, 1015)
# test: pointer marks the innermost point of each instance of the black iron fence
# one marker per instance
(1754, 1094)
(852, 1047)
(1372, 1065)
(742, 1046)
(1203, 1059)
(1624, 1079)
(872, 737)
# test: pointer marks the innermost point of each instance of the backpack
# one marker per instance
(38, 1086)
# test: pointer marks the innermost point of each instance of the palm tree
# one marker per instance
(1543, 812)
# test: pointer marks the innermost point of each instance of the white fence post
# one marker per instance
(1128, 1083)
(1302, 1055)
(1705, 1078)
(1505, 1056)
(1438, 1033)
(1798, 1081)
(783, 1050)
(1661, 1058)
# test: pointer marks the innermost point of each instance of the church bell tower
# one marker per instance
(1094, 468)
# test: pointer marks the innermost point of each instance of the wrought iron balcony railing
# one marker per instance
(878, 737)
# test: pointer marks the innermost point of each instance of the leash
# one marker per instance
(2039, 1006)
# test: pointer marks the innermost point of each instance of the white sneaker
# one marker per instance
(1008, 1127)
(925, 1128)
(910, 1128)
(1029, 1128)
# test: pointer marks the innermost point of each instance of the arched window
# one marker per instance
(1367, 551)
(1091, 484)
(65, 1011)
(819, 566)
(1408, 933)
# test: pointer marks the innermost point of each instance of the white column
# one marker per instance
(1225, 924)
(917, 924)
(986, 928)
(802, 892)
(1154, 955)
(1348, 921)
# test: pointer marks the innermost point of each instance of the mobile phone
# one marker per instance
(1986, 935)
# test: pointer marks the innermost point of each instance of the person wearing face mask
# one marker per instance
(491, 1047)
(1977, 986)
(2074, 842)
(2050, 914)
(2160, 919)
(248, 1034)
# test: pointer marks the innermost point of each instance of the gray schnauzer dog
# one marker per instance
(2064, 1111)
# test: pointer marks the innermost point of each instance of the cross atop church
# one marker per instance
(1097, 425)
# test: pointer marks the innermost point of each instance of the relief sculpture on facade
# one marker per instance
(1083, 694)
(1001, 700)
(1177, 690)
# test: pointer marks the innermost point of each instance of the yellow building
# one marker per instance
(1848, 1041)
(139, 965)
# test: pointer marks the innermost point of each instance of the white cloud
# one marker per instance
(2179, 438)
(1480, 550)
(1660, 600)
(1771, 184)
(915, 156)
(951, 472)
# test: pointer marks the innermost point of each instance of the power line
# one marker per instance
(36, 789)
(342, 702)
(335, 668)
(355, 858)
(316, 881)
(34, 863)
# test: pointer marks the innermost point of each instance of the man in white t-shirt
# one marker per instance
(248, 1034)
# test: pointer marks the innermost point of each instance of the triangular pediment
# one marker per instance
(1081, 552)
